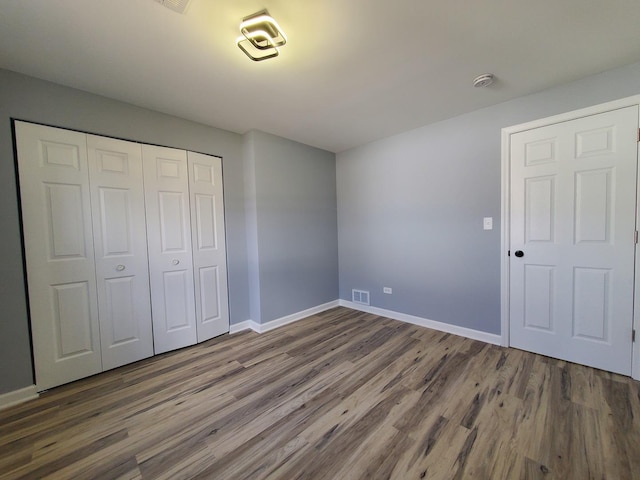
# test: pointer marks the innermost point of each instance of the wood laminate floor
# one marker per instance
(340, 395)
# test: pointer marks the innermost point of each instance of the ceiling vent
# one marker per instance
(179, 6)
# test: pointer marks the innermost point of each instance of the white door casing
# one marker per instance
(209, 247)
(58, 240)
(572, 214)
(122, 270)
(166, 183)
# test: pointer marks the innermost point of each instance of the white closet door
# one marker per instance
(58, 239)
(166, 183)
(122, 271)
(209, 248)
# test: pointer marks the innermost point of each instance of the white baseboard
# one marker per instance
(18, 396)
(423, 322)
(294, 317)
(403, 317)
(242, 326)
(280, 322)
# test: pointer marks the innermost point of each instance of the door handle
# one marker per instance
(519, 253)
(120, 268)
(175, 262)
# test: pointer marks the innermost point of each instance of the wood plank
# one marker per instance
(339, 395)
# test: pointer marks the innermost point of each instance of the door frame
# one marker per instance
(505, 209)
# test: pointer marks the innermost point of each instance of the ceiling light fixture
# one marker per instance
(261, 36)
(483, 80)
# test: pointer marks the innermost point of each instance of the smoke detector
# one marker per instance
(483, 80)
(179, 6)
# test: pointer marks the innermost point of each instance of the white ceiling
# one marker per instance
(352, 72)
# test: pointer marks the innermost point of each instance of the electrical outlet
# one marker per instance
(388, 290)
(488, 223)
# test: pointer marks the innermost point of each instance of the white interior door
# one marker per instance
(166, 183)
(209, 249)
(120, 239)
(573, 195)
(58, 239)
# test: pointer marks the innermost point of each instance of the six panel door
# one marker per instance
(166, 182)
(209, 248)
(120, 239)
(58, 240)
(573, 195)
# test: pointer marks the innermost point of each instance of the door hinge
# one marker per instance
(635, 236)
(633, 336)
(508, 253)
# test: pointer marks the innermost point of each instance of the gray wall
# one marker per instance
(251, 213)
(291, 226)
(410, 207)
(34, 100)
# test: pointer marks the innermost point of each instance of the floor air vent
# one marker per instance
(360, 296)
(179, 6)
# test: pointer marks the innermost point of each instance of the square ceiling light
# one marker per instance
(261, 36)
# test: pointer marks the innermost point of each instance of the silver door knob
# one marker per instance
(120, 268)
(176, 262)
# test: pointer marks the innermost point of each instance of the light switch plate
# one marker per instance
(488, 223)
(387, 290)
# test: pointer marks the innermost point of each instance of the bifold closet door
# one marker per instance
(120, 239)
(166, 183)
(209, 248)
(58, 240)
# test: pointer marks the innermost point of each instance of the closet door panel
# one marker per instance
(115, 170)
(169, 242)
(176, 291)
(209, 247)
(58, 241)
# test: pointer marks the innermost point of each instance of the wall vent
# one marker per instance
(360, 296)
(179, 6)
